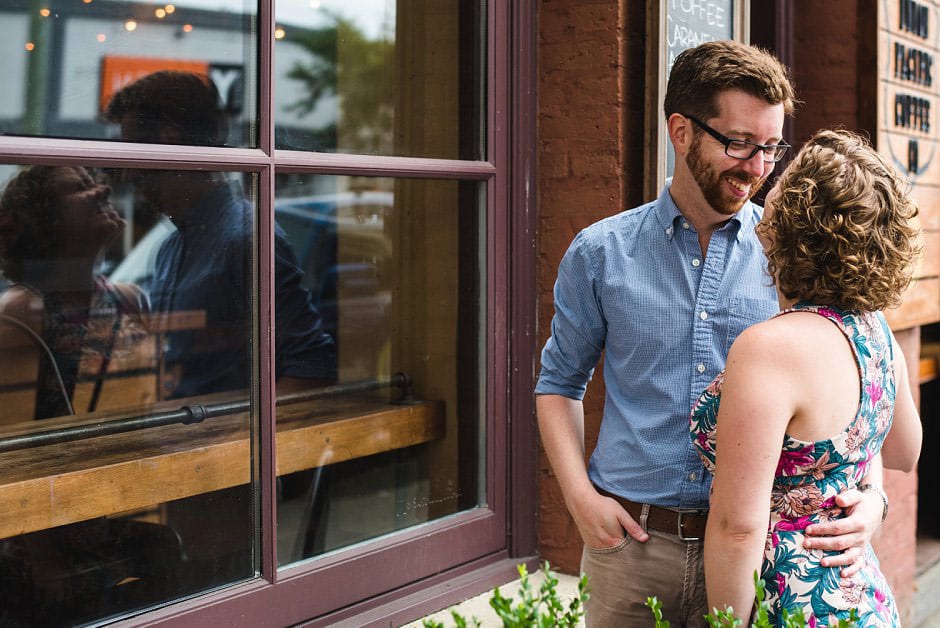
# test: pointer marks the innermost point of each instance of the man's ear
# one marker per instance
(681, 133)
(170, 135)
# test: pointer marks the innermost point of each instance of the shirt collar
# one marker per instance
(668, 215)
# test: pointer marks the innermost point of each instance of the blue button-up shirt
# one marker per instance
(205, 266)
(636, 287)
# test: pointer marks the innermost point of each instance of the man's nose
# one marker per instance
(756, 166)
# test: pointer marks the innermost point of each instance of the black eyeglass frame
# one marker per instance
(779, 149)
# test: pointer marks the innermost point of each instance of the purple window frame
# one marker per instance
(464, 554)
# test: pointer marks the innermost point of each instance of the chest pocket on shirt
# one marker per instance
(742, 313)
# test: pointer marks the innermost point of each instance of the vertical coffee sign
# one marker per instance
(674, 26)
(908, 132)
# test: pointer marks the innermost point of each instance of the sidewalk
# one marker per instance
(479, 606)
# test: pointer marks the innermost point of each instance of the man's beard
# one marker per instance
(710, 182)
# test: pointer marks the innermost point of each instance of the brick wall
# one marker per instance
(591, 67)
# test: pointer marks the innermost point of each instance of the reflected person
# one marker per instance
(64, 329)
(205, 265)
(205, 268)
(61, 322)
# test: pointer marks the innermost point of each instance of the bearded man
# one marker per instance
(662, 291)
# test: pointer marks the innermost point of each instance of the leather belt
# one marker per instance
(689, 525)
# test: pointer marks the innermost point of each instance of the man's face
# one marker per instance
(727, 183)
(148, 183)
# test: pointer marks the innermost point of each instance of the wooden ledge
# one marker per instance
(70, 482)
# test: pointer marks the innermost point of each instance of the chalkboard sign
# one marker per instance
(677, 25)
(693, 22)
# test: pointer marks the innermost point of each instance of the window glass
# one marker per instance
(380, 77)
(126, 313)
(392, 425)
(64, 61)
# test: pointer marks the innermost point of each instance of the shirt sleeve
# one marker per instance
(579, 328)
(303, 348)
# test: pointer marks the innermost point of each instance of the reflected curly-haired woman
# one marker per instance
(810, 397)
(61, 323)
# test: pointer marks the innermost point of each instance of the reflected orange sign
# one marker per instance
(117, 71)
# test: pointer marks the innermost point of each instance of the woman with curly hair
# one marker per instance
(810, 397)
(60, 322)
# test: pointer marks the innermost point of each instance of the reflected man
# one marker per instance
(205, 266)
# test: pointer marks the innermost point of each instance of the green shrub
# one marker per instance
(542, 608)
(726, 618)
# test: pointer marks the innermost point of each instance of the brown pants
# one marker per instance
(621, 578)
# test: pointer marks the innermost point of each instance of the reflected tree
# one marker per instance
(360, 72)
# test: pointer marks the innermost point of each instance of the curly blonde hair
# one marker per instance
(840, 233)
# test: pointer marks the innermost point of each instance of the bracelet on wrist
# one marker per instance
(881, 494)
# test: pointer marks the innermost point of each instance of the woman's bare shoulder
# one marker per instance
(20, 302)
(19, 306)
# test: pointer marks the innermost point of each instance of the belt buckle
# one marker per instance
(680, 514)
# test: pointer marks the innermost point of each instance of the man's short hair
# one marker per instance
(699, 74)
(186, 101)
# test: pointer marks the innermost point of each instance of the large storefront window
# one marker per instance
(393, 267)
(232, 358)
(380, 77)
(64, 60)
(125, 365)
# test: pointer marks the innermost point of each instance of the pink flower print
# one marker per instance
(812, 621)
(855, 438)
(851, 591)
(830, 313)
(880, 601)
(774, 539)
(791, 462)
(793, 525)
(798, 502)
(820, 467)
(781, 584)
(874, 391)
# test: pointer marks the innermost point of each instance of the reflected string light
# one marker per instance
(187, 28)
(45, 12)
(30, 46)
(101, 38)
(160, 13)
(130, 26)
(279, 33)
(169, 8)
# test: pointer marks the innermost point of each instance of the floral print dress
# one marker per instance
(809, 476)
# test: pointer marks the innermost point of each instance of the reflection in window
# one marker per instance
(125, 363)
(395, 268)
(380, 77)
(62, 64)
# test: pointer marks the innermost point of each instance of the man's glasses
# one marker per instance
(742, 149)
